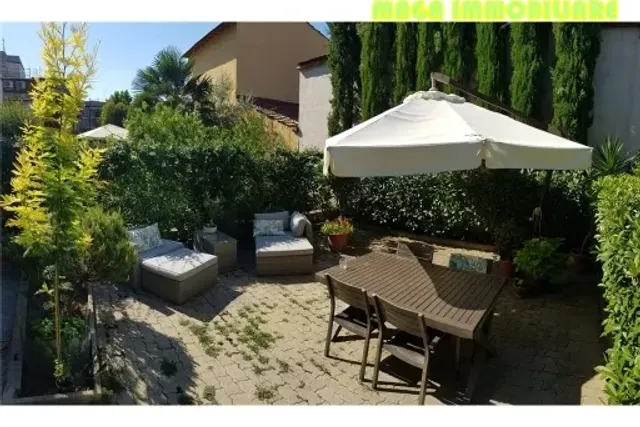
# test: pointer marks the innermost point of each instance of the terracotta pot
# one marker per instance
(338, 241)
(506, 267)
(579, 262)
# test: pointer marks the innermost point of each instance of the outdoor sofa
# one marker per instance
(168, 269)
(287, 251)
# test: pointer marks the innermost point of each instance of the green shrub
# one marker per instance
(618, 236)
(110, 255)
(539, 259)
(73, 334)
(175, 186)
(249, 133)
(508, 238)
(13, 117)
(165, 126)
(469, 205)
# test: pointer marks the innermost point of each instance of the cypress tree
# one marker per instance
(527, 59)
(577, 50)
(458, 51)
(344, 63)
(491, 48)
(405, 64)
(429, 40)
(376, 67)
(344, 58)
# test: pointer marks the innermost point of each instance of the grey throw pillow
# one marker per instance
(145, 238)
(267, 227)
(299, 224)
(281, 216)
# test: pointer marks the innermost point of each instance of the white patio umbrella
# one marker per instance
(103, 132)
(436, 132)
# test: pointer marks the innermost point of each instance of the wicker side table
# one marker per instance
(219, 244)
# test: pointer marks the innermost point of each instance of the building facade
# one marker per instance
(259, 60)
(616, 110)
(15, 82)
(315, 103)
(90, 117)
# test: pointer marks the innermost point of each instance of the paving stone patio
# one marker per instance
(256, 341)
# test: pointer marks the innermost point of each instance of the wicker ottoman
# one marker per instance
(179, 275)
(283, 255)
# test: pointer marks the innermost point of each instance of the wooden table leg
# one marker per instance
(483, 337)
(458, 342)
(481, 349)
(478, 357)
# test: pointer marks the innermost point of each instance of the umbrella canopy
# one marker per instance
(436, 132)
(103, 132)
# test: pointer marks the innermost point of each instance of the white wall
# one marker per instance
(616, 110)
(315, 105)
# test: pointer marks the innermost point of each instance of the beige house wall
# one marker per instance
(268, 56)
(218, 58)
(288, 135)
(315, 106)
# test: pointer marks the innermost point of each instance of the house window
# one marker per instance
(7, 84)
(21, 85)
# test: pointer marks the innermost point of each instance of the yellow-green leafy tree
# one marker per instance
(55, 177)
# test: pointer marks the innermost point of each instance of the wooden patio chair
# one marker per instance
(413, 343)
(357, 318)
(417, 250)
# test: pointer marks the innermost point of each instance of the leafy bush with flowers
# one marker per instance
(337, 226)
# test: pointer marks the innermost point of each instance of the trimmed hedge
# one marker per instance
(469, 205)
(172, 185)
(618, 219)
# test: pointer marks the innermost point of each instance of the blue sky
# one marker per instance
(124, 47)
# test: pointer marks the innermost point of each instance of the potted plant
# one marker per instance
(507, 238)
(214, 212)
(338, 232)
(536, 263)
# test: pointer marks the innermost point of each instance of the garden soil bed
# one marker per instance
(30, 373)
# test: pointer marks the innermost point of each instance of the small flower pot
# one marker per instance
(338, 241)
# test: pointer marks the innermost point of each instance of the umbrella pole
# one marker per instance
(537, 217)
(441, 78)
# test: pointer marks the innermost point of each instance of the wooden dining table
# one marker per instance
(459, 303)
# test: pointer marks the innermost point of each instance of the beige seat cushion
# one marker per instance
(180, 264)
(281, 246)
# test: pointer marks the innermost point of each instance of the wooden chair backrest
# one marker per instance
(402, 318)
(423, 252)
(352, 295)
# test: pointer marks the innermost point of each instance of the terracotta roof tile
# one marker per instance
(287, 121)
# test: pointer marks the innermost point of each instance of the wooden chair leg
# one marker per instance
(328, 343)
(365, 354)
(376, 366)
(335, 335)
(423, 382)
